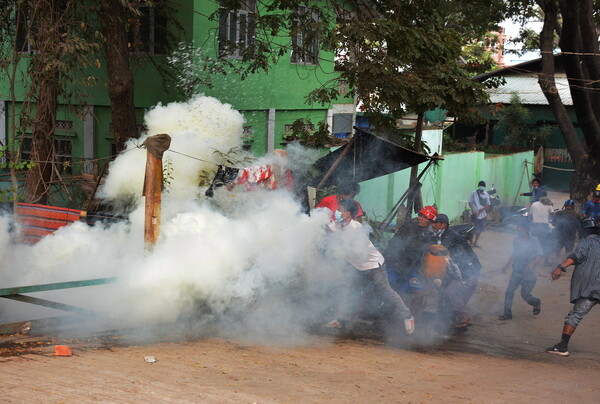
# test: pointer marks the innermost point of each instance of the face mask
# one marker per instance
(481, 188)
(338, 216)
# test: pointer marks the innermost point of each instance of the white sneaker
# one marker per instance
(409, 325)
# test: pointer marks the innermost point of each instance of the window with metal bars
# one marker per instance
(63, 153)
(305, 37)
(237, 31)
(149, 34)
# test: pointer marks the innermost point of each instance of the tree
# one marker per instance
(54, 36)
(396, 55)
(513, 121)
(114, 16)
(578, 41)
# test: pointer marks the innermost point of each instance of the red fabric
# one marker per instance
(252, 176)
(288, 182)
(38, 221)
(331, 202)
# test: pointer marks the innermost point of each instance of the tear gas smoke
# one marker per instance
(252, 258)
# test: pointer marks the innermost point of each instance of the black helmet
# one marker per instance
(588, 223)
(523, 222)
(596, 193)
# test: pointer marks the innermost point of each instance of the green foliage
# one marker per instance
(234, 157)
(478, 54)
(194, 68)
(396, 55)
(11, 194)
(302, 131)
(513, 122)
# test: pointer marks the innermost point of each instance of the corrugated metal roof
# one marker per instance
(528, 88)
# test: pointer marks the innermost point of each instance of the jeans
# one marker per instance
(581, 307)
(527, 285)
(378, 280)
(456, 294)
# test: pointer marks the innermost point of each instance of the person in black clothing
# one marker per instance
(462, 275)
(536, 190)
(566, 228)
(525, 259)
(404, 254)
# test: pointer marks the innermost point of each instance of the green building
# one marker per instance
(271, 102)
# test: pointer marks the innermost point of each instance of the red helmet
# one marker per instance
(429, 212)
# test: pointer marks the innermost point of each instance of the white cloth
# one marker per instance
(356, 246)
(540, 213)
(475, 200)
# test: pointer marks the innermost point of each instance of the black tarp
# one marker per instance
(369, 156)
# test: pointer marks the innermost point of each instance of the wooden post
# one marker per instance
(153, 182)
(336, 162)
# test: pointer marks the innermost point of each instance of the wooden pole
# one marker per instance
(336, 162)
(153, 182)
(418, 136)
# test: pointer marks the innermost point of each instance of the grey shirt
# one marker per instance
(525, 251)
(585, 281)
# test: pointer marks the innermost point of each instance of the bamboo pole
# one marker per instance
(336, 162)
(153, 182)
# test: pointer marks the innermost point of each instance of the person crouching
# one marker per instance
(369, 263)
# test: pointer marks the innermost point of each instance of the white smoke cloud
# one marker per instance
(253, 257)
(197, 128)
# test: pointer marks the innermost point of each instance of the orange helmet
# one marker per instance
(429, 212)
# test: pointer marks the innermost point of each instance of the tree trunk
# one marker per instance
(47, 43)
(120, 79)
(586, 165)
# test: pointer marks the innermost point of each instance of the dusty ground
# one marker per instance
(492, 362)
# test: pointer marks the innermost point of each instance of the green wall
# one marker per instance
(283, 88)
(450, 183)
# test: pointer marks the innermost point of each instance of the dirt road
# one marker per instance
(492, 362)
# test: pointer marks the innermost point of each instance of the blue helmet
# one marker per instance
(569, 203)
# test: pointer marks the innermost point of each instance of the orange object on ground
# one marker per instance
(62, 350)
(435, 262)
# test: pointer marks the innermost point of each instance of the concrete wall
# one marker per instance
(450, 183)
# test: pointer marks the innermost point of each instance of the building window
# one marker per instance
(247, 137)
(237, 30)
(23, 25)
(64, 125)
(343, 87)
(149, 33)
(290, 127)
(63, 154)
(305, 37)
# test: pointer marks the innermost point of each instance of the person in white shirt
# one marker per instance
(479, 201)
(369, 262)
(541, 213)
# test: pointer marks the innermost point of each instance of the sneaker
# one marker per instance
(333, 324)
(409, 325)
(558, 349)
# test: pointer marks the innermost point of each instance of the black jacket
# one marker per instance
(460, 252)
